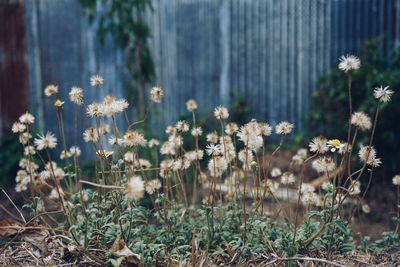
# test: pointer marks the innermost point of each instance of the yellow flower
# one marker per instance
(58, 103)
(335, 144)
(104, 153)
(253, 164)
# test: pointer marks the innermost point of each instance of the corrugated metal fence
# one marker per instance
(270, 52)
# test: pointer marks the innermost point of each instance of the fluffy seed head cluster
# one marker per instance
(323, 164)
(152, 186)
(276, 172)
(45, 141)
(108, 108)
(214, 150)
(156, 94)
(50, 90)
(367, 154)
(197, 131)
(27, 118)
(18, 127)
(383, 94)
(318, 145)
(135, 188)
(191, 105)
(361, 120)
(349, 63)
(76, 95)
(221, 113)
(288, 178)
(284, 128)
(96, 80)
(251, 135)
(396, 180)
(217, 166)
(153, 143)
(231, 128)
(134, 138)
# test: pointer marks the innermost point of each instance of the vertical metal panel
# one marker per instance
(269, 51)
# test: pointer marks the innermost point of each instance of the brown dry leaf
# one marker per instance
(120, 249)
(37, 238)
(7, 228)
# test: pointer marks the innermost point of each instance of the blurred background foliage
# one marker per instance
(124, 20)
(329, 109)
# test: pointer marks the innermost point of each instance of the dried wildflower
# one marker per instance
(182, 126)
(191, 105)
(361, 120)
(75, 151)
(54, 194)
(93, 110)
(323, 164)
(194, 155)
(134, 138)
(383, 94)
(345, 148)
(310, 198)
(306, 188)
(217, 166)
(202, 177)
(58, 103)
(297, 160)
(152, 186)
(29, 150)
(250, 135)
(367, 154)
(212, 138)
(334, 145)
(153, 143)
(265, 128)
(287, 178)
(113, 140)
(142, 164)
(50, 90)
(167, 148)
(18, 127)
(65, 154)
(214, 150)
(365, 208)
(275, 172)
(196, 131)
(284, 127)
(396, 180)
(318, 145)
(129, 157)
(246, 156)
(28, 165)
(24, 138)
(76, 95)
(111, 106)
(170, 130)
(231, 128)
(302, 153)
(349, 63)
(355, 188)
(96, 80)
(45, 141)
(221, 113)
(156, 94)
(135, 188)
(181, 163)
(90, 135)
(27, 118)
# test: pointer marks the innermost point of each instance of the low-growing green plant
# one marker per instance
(224, 202)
